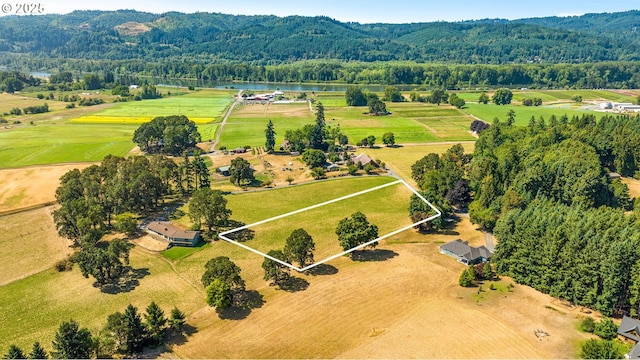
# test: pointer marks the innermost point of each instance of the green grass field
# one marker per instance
(247, 123)
(51, 144)
(386, 207)
(201, 107)
(551, 96)
(523, 113)
(409, 122)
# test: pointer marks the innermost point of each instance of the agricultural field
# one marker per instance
(23, 232)
(10, 101)
(555, 96)
(201, 107)
(16, 193)
(386, 207)
(246, 124)
(410, 123)
(523, 113)
(62, 143)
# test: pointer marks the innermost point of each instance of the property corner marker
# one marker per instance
(223, 235)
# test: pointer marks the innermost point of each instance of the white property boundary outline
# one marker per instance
(223, 234)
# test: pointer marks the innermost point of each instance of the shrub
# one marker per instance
(606, 329)
(587, 325)
(64, 265)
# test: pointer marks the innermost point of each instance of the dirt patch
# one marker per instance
(634, 187)
(149, 243)
(24, 187)
(132, 28)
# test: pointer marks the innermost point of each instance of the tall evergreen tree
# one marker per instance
(72, 342)
(270, 136)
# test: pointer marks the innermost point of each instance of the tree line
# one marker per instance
(619, 74)
(124, 334)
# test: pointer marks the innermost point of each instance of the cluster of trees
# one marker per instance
(565, 160)
(298, 249)
(12, 81)
(536, 101)
(603, 348)
(124, 334)
(107, 196)
(443, 180)
(36, 109)
(172, 135)
(502, 97)
(317, 136)
(584, 255)
(209, 207)
(473, 273)
(356, 97)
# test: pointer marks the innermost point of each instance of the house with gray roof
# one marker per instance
(464, 253)
(174, 235)
(630, 329)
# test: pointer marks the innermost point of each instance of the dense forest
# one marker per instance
(562, 221)
(185, 45)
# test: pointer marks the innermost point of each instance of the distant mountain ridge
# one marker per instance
(262, 39)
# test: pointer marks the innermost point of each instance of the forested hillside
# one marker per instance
(264, 40)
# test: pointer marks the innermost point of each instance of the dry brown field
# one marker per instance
(29, 243)
(406, 305)
(29, 186)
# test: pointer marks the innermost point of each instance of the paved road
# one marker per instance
(224, 119)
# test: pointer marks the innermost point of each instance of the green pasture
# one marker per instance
(51, 144)
(523, 113)
(386, 208)
(207, 131)
(247, 123)
(332, 98)
(409, 122)
(551, 96)
(201, 107)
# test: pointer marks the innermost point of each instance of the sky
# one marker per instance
(369, 11)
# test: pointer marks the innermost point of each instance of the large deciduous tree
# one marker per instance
(355, 97)
(169, 135)
(240, 172)
(314, 158)
(224, 269)
(355, 231)
(219, 295)
(273, 270)
(502, 97)
(210, 207)
(388, 139)
(299, 248)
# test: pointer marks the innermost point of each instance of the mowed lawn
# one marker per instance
(201, 107)
(409, 122)
(247, 123)
(385, 207)
(59, 143)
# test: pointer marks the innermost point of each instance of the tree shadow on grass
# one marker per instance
(243, 305)
(294, 284)
(125, 283)
(373, 255)
(322, 269)
(240, 235)
(180, 337)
